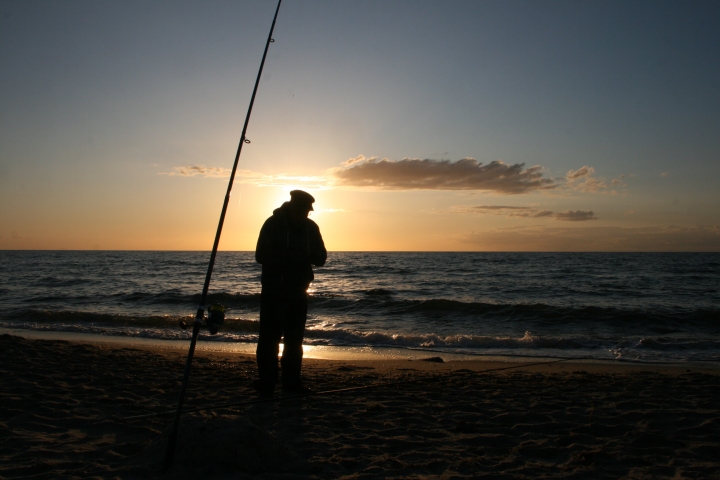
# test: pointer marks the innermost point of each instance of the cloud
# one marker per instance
(250, 177)
(529, 212)
(465, 174)
(575, 215)
(585, 172)
(584, 180)
(201, 170)
(699, 238)
(497, 207)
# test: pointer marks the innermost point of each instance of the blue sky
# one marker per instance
(119, 120)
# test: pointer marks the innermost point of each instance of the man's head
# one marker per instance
(300, 205)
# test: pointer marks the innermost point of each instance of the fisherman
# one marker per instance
(289, 244)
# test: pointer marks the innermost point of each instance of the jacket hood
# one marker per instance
(283, 213)
(282, 209)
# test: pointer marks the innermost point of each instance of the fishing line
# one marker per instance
(200, 316)
(348, 389)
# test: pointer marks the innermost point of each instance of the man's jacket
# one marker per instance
(287, 253)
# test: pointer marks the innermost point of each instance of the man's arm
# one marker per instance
(318, 254)
(269, 251)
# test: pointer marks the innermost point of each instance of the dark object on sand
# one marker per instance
(433, 359)
(172, 438)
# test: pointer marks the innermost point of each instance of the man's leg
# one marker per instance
(294, 331)
(271, 323)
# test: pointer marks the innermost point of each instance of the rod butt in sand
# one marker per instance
(172, 439)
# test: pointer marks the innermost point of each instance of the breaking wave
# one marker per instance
(382, 303)
(647, 348)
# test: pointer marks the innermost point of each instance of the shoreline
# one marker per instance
(340, 353)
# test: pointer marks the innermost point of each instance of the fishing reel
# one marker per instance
(215, 318)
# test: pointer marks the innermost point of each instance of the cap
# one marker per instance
(300, 197)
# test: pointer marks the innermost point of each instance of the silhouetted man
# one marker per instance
(289, 244)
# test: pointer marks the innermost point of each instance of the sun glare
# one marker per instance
(306, 349)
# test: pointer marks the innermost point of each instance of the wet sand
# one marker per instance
(63, 409)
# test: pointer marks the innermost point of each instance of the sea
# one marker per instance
(631, 307)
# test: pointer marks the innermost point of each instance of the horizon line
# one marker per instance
(356, 251)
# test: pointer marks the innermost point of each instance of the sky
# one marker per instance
(417, 125)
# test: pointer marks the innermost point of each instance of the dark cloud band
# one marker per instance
(529, 212)
(465, 174)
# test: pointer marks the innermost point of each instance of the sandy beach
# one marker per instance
(63, 409)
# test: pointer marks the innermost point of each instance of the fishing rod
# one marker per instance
(215, 313)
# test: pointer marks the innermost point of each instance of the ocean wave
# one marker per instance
(129, 331)
(170, 297)
(243, 330)
(163, 328)
(54, 282)
(44, 319)
(352, 337)
(383, 303)
(177, 297)
(378, 291)
(672, 343)
(660, 319)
